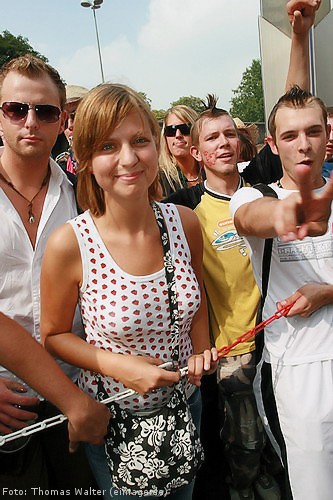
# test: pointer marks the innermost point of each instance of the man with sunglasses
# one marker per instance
(35, 198)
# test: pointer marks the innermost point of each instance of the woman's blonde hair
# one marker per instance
(167, 162)
(99, 113)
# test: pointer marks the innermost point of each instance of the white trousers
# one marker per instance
(304, 402)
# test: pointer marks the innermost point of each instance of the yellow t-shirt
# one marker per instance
(232, 293)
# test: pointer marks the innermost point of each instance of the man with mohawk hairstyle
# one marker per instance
(233, 298)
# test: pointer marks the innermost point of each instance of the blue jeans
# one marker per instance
(97, 459)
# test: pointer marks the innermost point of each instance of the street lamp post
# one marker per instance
(96, 4)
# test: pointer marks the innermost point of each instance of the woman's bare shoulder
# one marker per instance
(63, 243)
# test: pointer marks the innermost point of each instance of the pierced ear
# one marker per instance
(272, 144)
(194, 150)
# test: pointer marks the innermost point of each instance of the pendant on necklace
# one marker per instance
(31, 217)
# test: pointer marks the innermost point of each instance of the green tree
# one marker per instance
(248, 101)
(191, 101)
(159, 114)
(13, 46)
(145, 98)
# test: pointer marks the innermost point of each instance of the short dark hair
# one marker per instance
(33, 67)
(294, 98)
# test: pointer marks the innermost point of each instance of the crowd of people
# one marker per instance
(128, 269)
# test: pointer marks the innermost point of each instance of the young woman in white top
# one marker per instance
(110, 260)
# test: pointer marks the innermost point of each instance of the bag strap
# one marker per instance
(265, 271)
(267, 255)
(265, 190)
(171, 281)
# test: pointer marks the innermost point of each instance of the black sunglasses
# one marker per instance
(70, 116)
(17, 111)
(184, 128)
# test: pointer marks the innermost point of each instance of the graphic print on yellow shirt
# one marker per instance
(227, 237)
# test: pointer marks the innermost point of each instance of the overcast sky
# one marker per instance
(165, 48)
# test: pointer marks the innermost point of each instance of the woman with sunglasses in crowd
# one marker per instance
(178, 168)
(110, 259)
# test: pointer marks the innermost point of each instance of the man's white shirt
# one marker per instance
(293, 340)
(20, 264)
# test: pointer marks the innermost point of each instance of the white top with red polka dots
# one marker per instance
(129, 314)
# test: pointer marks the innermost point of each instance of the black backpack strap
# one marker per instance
(265, 190)
(265, 270)
(266, 260)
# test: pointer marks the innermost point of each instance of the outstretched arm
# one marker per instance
(21, 354)
(300, 214)
(301, 15)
